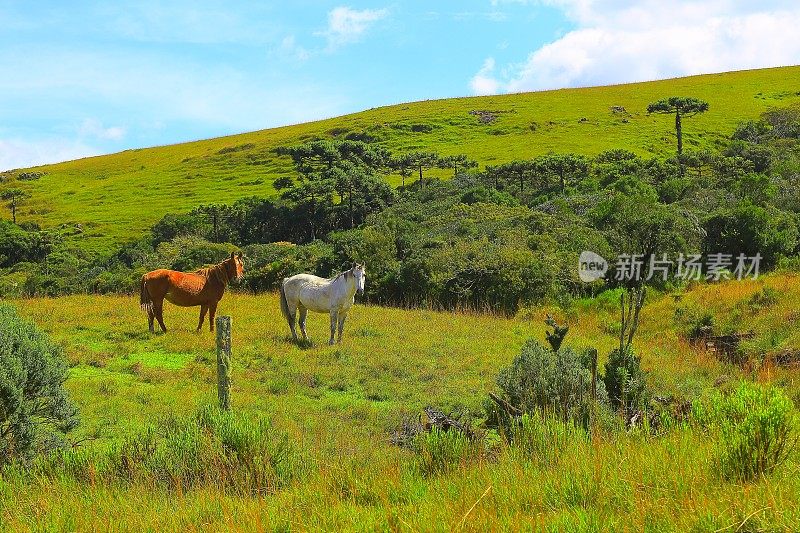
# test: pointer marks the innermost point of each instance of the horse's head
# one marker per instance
(360, 274)
(234, 266)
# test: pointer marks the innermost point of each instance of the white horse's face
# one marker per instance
(361, 278)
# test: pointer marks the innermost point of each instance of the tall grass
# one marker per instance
(214, 449)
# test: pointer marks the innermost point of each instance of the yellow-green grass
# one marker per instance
(119, 196)
(340, 403)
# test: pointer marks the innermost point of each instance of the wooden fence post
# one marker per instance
(223, 324)
(593, 412)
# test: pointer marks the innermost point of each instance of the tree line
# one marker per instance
(491, 238)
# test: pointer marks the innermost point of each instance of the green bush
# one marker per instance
(766, 297)
(625, 380)
(542, 380)
(216, 448)
(756, 427)
(267, 264)
(35, 410)
(189, 252)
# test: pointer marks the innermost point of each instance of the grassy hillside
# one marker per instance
(117, 197)
(338, 405)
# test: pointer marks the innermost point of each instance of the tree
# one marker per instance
(457, 162)
(569, 168)
(35, 410)
(681, 106)
(310, 195)
(423, 161)
(348, 168)
(14, 197)
(697, 160)
(403, 165)
(515, 172)
(213, 213)
(640, 225)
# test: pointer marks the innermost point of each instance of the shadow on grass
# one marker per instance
(300, 343)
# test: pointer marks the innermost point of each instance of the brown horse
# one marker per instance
(204, 287)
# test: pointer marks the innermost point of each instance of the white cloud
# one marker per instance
(618, 41)
(16, 153)
(483, 83)
(92, 127)
(347, 25)
(290, 49)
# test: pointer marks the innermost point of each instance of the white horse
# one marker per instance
(335, 296)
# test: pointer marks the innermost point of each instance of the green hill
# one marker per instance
(112, 198)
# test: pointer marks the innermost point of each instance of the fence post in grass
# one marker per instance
(223, 324)
(593, 359)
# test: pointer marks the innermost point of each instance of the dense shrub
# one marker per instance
(267, 264)
(190, 252)
(750, 229)
(35, 410)
(540, 380)
(624, 380)
(19, 245)
(756, 428)
(495, 239)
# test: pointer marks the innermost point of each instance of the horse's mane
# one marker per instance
(342, 274)
(218, 271)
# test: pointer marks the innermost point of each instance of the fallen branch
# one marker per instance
(445, 422)
(507, 407)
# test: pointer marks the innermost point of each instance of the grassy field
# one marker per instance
(102, 201)
(339, 404)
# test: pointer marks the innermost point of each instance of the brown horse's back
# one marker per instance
(180, 288)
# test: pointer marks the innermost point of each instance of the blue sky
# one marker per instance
(84, 78)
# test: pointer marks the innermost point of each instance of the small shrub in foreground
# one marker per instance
(215, 449)
(757, 429)
(35, 410)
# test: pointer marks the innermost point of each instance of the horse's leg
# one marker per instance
(292, 316)
(151, 318)
(342, 318)
(203, 310)
(212, 312)
(158, 309)
(303, 314)
(334, 319)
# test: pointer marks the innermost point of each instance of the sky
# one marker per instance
(87, 78)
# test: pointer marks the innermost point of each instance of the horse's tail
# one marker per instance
(284, 302)
(145, 301)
